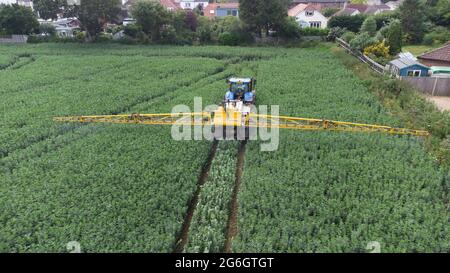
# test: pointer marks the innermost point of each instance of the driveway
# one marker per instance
(443, 103)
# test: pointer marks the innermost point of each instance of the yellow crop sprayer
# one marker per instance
(236, 112)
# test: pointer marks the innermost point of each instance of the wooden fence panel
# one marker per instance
(435, 86)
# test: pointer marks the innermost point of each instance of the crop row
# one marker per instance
(109, 187)
(28, 115)
(216, 52)
(6, 60)
(337, 192)
(209, 223)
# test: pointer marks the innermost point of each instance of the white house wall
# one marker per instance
(316, 17)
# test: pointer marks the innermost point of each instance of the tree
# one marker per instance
(370, 26)
(151, 16)
(48, 9)
(94, 14)
(361, 41)
(289, 29)
(191, 20)
(394, 37)
(352, 23)
(263, 15)
(412, 16)
(16, 19)
(439, 12)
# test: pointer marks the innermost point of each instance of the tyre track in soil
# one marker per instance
(184, 233)
(232, 225)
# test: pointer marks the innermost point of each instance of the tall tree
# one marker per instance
(16, 19)
(94, 14)
(439, 12)
(263, 15)
(48, 9)
(370, 26)
(412, 16)
(151, 16)
(394, 37)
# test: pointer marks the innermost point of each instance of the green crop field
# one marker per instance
(132, 188)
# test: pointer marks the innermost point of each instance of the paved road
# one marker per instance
(443, 103)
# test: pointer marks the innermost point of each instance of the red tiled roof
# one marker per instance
(169, 4)
(360, 7)
(297, 9)
(440, 54)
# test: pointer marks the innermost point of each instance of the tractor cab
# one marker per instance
(241, 89)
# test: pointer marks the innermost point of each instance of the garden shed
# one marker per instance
(406, 67)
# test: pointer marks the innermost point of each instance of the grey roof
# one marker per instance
(407, 54)
(405, 62)
(346, 11)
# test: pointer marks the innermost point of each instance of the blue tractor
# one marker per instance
(241, 90)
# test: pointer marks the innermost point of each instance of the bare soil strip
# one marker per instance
(184, 234)
(232, 226)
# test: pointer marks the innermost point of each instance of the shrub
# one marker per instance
(168, 35)
(47, 29)
(80, 36)
(132, 30)
(352, 23)
(228, 38)
(361, 41)
(438, 36)
(103, 38)
(204, 30)
(348, 36)
(384, 18)
(312, 31)
(370, 26)
(379, 49)
(290, 29)
(335, 32)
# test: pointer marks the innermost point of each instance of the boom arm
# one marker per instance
(254, 120)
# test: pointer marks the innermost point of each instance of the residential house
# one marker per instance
(26, 3)
(170, 5)
(347, 12)
(406, 67)
(355, 9)
(361, 8)
(375, 9)
(221, 10)
(437, 57)
(393, 5)
(192, 4)
(308, 16)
